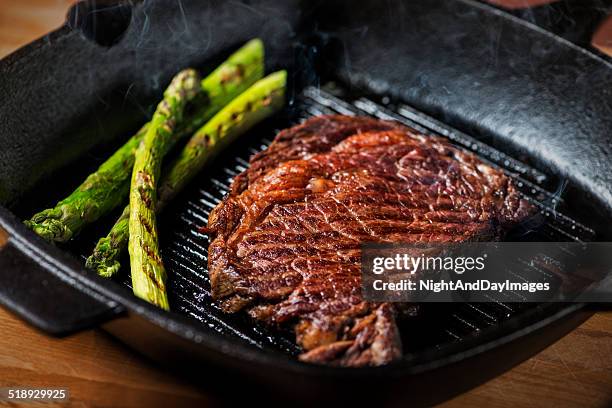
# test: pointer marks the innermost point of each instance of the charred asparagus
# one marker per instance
(258, 102)
(148, 274)
(108, 187)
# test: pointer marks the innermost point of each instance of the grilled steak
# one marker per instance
(286, 239)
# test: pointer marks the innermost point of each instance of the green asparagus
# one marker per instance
(258, 102)
(148, 274)
(105, 257)
(108, 187)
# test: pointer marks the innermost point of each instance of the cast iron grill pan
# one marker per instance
(185, 248)
(526, 92)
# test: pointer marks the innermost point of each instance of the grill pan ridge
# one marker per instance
(185, 248)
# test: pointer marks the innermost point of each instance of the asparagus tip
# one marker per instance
(255, 43)
(108, 271)
(103, 266)
(50, 229)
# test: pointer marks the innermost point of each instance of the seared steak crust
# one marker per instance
(286, 240)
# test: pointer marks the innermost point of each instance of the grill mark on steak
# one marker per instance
(286, 239)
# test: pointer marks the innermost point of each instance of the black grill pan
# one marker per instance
(527, 101)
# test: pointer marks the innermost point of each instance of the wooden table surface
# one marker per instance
(100, 372)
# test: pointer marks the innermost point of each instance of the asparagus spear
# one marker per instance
(108, 187)
(148, 274)
(258, 102)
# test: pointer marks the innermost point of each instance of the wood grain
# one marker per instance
(574, 372)
(4, 237)
(97, 370)
(602, 40)
(519, 4)
(22, 21)
(100, 372)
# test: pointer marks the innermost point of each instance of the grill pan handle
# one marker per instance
(101, 21)
(43, 291)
